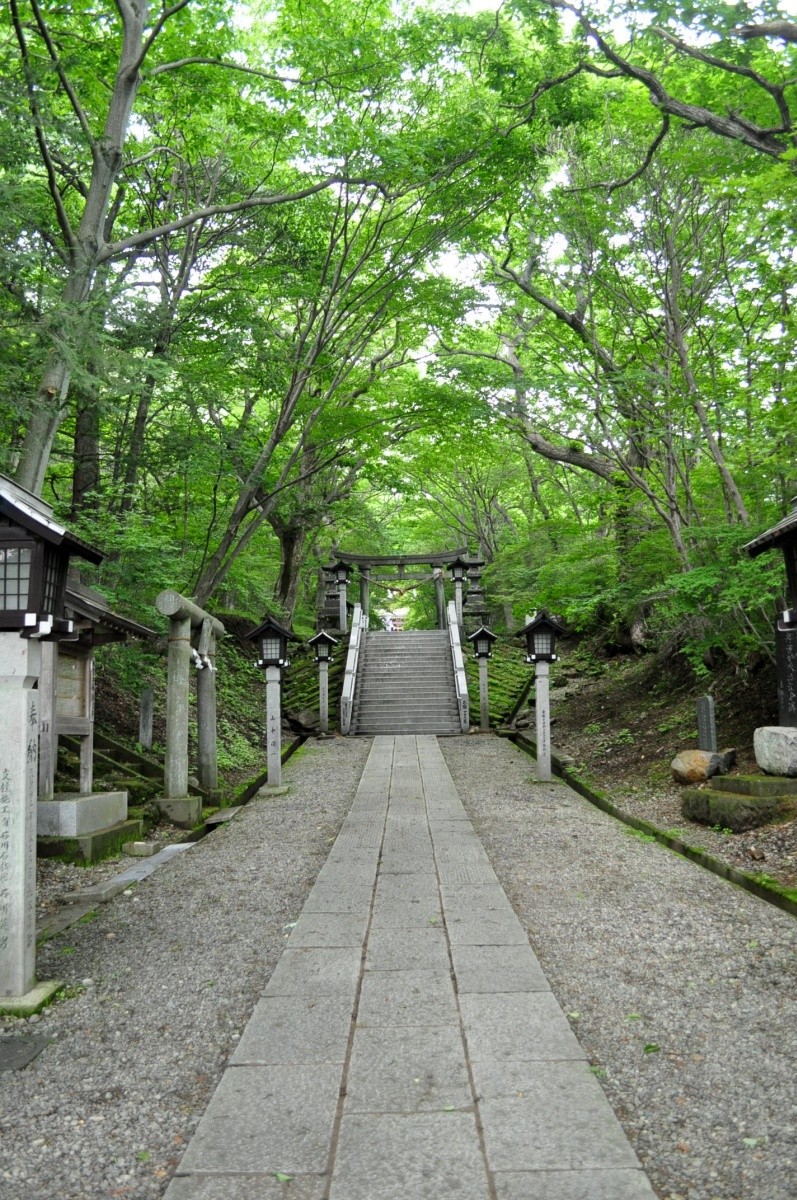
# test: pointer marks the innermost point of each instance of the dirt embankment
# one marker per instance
(623, 719)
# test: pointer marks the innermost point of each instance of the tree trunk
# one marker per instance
(86, 472)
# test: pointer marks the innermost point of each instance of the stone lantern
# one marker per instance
(34, 558)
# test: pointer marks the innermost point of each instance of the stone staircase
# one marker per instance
(405, 684)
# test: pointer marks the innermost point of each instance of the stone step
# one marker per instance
(729, 810)
(755, 785)
(417, 727)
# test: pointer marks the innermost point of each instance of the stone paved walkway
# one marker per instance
(407, 1046)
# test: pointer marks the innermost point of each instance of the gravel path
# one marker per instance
(164, 980)
(681, 988)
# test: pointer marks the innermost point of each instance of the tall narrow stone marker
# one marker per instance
(273, 726)
(706, 724)
(543, 709)
(343, 617)
(20, 660)
(484, 697)
(323, 697)
(145, 718)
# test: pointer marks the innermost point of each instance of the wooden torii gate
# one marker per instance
(434, 561)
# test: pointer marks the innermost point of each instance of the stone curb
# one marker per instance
(771, 893)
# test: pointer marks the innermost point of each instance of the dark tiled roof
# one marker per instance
(784, 531)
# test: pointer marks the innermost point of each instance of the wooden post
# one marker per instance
(323, 696)
(48, 734)
(145, 717)
(543, 722)
(484, 698)
(365, 588)
(179, 662)
(86, 784)
(206, 710)
(440, 597)
(20, 662)
(273, 727)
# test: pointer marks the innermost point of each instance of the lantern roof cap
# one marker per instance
(483, 632)
(33, 514)
(541, 617)
(322, 636)
(270, 625)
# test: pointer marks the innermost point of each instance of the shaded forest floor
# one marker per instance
(624, 719)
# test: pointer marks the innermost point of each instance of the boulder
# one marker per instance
(776, 749)
(696, 766)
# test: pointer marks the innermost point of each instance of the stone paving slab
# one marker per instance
(430, 1156)
(283, 1030)
(403, 1069)
(407, 1045)
(247, 1187)
(275, 1119)
(571, 1185)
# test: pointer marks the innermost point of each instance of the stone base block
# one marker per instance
(728, 810)
(776, 749)
(89, 847)
(141, 849)
(185, 811)
(32, 1001)
(69, 814)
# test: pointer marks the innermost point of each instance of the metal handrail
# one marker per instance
(460, 678)
(359, 624)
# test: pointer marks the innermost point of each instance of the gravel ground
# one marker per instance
(680, 987)
(161, 983)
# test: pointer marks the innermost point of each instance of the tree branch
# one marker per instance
(202, 214)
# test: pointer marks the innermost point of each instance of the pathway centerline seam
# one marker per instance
(471, 1080)
(344, 1078)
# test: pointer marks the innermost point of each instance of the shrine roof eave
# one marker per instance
(89, 605)
(784, 532)
(435, 559)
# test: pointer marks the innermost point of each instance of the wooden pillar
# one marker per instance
(543, 722)
(273, 726)
(365, 589)
(440, 597)
(179, 662)
(20, 662)
(323, 697)
(86, 784)
(48, 733)
(207, 766)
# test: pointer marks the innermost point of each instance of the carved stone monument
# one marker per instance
(706, 724)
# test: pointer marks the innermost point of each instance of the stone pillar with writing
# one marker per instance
(273, 727)
(323, 697)
(20, 660)
(543, 711)
(484, 696)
